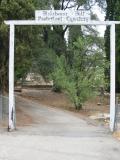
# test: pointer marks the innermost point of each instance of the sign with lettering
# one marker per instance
(61, 16)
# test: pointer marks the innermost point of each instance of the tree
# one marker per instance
(43, 62)
(31, 42)
(82, 77)
(17, 9)
(57, 40)
(113, 14)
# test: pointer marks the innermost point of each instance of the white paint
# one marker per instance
(112, 77)
(35, 22)
(11, 79)
(62, 16)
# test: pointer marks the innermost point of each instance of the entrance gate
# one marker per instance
(41, 20)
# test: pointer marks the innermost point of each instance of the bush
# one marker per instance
(81, 78)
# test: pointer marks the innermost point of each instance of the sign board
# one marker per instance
(62, 16)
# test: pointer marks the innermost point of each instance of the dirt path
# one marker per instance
(45, 120)
(55, 134)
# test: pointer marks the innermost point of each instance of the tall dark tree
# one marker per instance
(16, 10)
(113, 14)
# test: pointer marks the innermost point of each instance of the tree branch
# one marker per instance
(72, 6)
(90, 5)
(65, 29)
(78, 7)
(67, 4)
(62, 6)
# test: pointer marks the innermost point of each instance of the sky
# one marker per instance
(101, 16)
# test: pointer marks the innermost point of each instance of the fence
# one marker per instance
(4, 110)
(1, 108)
(117, 115)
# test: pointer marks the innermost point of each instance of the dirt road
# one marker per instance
(55, 134)
(54, 121)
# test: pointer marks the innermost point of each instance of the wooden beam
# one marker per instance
(35, 22)
(11, 125)
(12, 24)
(112, 77)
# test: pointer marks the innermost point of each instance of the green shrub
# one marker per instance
(83, 77)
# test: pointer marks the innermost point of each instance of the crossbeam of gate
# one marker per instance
(13, 23)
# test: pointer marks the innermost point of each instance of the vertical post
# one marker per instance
(112, 77)
(11, 125)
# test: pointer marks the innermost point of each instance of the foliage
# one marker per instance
(24, 39)
(56, 40)
(113, 14)
(84, 75)
(77, 68)
(44, 61)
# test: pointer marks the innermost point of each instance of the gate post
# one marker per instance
(112, 77)
(11, 125)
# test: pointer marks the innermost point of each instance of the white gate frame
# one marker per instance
(13, 23)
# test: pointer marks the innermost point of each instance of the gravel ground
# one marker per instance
(54, 134)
